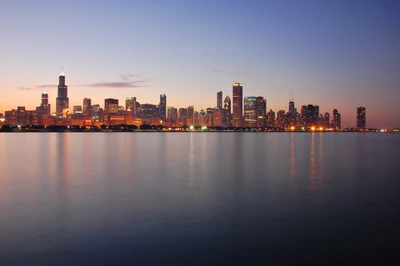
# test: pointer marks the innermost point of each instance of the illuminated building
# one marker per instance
(77, 109)
(62, 101)
(310, 115)
(271, 118)
(217, 117)
(163, 107)
(196, 118)
(44, 107)
(172, 114)
(21, 115)
(87, 107)
(227, 116)
(237, 112)
(261, 110)
(11, 117)
(327, 120)
(149, 110)
(250, 112)
(190, 115)
(130, 103)
(111, 106)
(219, 100)
(336, 121)
(292, 109)
(210, 117)
(96, 112)
(361, 117)
(202, 118)
(281, 119)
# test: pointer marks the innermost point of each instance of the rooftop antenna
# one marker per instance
(62, 72)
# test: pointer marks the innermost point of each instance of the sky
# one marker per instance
(337, 54)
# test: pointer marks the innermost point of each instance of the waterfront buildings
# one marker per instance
(237, 112)
(361, 117)
(62, 101)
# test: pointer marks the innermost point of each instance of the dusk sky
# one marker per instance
(337, 54)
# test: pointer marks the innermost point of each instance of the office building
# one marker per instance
(62, 100)
(219, 99)
(361, 117)
(163, 107)
(111, 106)
(237, 112)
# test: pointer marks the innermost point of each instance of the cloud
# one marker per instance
(116, 84)
(47, 86)
(24, 89)
(129, 76)
(220, 71)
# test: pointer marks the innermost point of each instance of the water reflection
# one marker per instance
(292, 160)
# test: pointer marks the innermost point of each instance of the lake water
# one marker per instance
(198, 198)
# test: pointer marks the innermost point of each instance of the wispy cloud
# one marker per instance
(24, 89)
(230, 73)
(116, 84)
(129, 76)
(47, 86)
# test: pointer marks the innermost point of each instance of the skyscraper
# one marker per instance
(336, 121)
(250, 111)
(292, 109)
(62, 101)
(261, 109)
(361, 117)
(271, 118)
(327, 119)
(237, 112)
(219, 100)
(226, 114)
(44, 107)
(111, 106)
(163, 107)
(87, 107)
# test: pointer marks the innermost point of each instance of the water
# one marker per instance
(198, 198)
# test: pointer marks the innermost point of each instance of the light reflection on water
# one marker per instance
(73, 198)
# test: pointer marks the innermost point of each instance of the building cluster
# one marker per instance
(250, 111)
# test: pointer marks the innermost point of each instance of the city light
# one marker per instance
(244, 113)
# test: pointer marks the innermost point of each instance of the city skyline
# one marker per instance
(338, 55)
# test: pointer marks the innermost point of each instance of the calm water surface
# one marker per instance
(198, 198)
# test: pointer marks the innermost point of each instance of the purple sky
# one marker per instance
(337, 54)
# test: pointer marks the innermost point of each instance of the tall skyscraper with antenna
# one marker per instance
(62, 101)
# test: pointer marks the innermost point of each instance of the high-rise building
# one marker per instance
(111, 106)
(62, 101)
(219, 99)
(226, 114)
(250, 111)
(237, 112)
(292, 109)
(130, 104)
(261, 109)
(172, 114)
(163, 107)
(336, 121)
(190, 115)
(281, 119)
(327, 120)
(44, 107)
(21, 115)
(271, 118)
(87, 107)
(217, 117)
(361, 117)
(310, 115)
